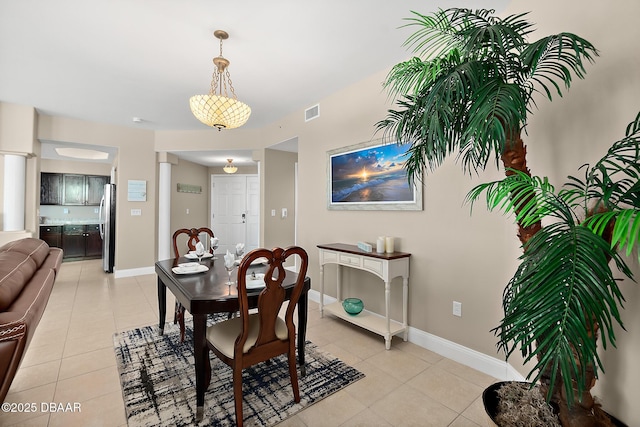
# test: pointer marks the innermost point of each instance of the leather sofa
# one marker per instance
(28, 269)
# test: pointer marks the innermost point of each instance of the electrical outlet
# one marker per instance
(96, 210)
(65, 210)
(273, 212)
(457, 308)
(136, 212)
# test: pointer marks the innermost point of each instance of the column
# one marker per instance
(15, 167)
(164, 211)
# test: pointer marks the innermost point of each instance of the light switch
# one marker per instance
(273, 212)
(65, 210)
(284, 212)
(187, 211)
(136, 212)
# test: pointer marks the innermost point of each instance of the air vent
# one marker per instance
(312, 112)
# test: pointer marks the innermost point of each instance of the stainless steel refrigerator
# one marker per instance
(107, 215)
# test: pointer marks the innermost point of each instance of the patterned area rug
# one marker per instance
(158, 382)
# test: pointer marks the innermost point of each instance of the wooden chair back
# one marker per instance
(192, 238)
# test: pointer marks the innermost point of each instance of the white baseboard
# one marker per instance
(117, 274)
(479, 361)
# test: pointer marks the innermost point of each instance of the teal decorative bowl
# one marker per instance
(353, 306)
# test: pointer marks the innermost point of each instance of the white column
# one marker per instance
(15, 167)
(164, 211)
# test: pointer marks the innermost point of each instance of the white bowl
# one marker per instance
(189, 266)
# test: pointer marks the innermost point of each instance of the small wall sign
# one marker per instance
(137, 191)
(189, 188)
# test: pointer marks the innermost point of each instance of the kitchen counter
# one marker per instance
(71, 221)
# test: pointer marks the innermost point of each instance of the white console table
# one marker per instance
(386, 266)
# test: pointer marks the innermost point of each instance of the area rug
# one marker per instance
(158, 382)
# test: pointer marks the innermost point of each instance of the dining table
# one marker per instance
(205, 291)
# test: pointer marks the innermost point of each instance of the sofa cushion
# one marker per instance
(16, 269)
(35, 248)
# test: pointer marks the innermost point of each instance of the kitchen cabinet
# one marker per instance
(83, 190)
(81, 241)
(50, 188)
(52, 234)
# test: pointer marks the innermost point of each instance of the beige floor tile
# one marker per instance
(469, 374)
(463, 422)
(374, 386)
(416, 350)
(35, 375)
(294, 421)
(35, 396)
(87, 362)
(366, 418)
(398, 364)
(407, 406)
(88, 386)
(446, 388)
(102, 411)
(96, 340)
(39, 421)
(332, 411)
(476, 413)
(44, 353)
(341, 353)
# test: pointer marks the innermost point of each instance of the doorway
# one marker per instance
(235, 211)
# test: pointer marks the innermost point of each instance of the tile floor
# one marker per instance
(71, 360)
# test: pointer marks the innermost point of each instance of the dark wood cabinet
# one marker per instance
(52, 234)
(82, 190)
(81, 241)
(93, 248)
(50, 188)
(95, 188)
(73, 190)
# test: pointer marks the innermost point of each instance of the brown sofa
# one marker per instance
(28, 269)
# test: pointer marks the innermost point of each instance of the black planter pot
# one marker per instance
(491, 399)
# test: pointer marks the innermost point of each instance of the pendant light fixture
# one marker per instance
(229, 167)
(220, 108)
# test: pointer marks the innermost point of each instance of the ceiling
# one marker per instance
(109, 61)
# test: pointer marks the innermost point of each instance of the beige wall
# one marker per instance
(186, 172)
(279, 185)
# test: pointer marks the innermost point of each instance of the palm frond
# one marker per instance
(553, 60)
(562, 289)
(626, 229)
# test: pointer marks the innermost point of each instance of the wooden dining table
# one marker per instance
(207, 292)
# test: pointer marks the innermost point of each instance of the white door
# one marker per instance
(235, 210)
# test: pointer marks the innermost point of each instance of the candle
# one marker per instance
(389, 245)
(380, 245)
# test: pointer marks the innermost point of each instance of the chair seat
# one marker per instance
(222, 335)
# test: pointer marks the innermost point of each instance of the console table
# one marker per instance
(386, 266)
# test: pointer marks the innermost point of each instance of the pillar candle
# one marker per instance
(389, 245)
(380, 245)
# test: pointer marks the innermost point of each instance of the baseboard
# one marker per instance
(117, 274)
(479, 361)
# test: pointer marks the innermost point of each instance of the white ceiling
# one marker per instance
(109, 61)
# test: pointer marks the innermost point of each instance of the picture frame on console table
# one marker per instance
(371, 176)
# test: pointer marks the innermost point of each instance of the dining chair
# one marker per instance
(261, 335)
(192, 238)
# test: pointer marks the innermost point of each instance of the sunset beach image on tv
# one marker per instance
(370, 175)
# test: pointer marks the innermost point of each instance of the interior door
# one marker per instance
(235, 210)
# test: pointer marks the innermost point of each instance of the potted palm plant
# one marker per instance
(468, 91)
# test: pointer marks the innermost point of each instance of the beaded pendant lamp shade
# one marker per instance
(220, 108)
(229, 167)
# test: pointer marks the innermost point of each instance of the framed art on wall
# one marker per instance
(371, 176)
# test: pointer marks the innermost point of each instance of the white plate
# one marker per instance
(261, 260)
(200, 269)
(256, 283)
(194, 256)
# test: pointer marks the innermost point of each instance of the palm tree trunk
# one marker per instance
(514, 157)
(584, 412)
